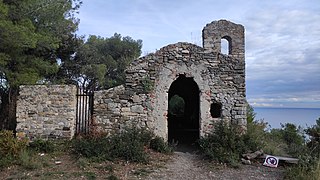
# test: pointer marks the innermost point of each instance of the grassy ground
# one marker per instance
(64, 165)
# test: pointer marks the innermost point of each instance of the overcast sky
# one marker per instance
(282, 38)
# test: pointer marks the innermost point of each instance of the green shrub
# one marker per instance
(28, 160)
(96, 148)
(40, 145)
(289, 140)
(147, 84)
(112, 177)
(304, 170)
(314, 135)
(223, 145)
(128, 145)
(11, 146)
(309, 155)
(6, 161)
(158, 144)
(226, 145)
(255, 137)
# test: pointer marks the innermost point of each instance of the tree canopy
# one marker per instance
(39, 45)
(33, 35)
(100, 62)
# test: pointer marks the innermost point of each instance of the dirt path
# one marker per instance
(187, 166)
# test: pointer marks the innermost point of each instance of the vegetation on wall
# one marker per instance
(147, 84)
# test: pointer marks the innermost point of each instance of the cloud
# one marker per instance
(283, 56)
(282, 38)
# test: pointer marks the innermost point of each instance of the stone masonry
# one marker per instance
(143, 100)
(46, 111)
(211, 83)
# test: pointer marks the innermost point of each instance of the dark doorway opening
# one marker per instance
(183, 111)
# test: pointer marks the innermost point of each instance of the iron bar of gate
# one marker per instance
(84, 111)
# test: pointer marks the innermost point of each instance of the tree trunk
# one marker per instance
(8, 109)
(13, 97)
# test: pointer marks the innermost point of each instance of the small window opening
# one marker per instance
(224, 46)
(215, 110)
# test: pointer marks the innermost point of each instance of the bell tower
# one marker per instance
(214, 32)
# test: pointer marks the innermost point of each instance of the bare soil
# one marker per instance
(184, 166)
(179, 165)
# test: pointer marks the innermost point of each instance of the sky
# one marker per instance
(282, 38)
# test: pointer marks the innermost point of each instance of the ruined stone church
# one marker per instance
(209, 85)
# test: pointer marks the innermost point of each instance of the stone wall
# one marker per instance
(115, 109)
(217, 81)
(46, 111)
(143, 100)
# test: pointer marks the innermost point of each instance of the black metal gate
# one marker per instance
(84, 111)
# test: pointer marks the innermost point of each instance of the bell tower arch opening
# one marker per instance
(183, 111)
(226, 45)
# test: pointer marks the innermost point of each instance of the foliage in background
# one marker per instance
(309, 160)
(176, 105)
(100, 62)
(314, 135)
(290, 138)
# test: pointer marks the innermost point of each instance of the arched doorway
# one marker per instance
(183, 111)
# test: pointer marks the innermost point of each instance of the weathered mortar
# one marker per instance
(220, 78)
(46, 111)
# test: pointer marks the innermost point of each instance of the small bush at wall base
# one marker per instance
(40, 145)
(221, 145)
(226, 146)
(96, 148)
(6, 161)
(128, 145)
(112, 177)
(11, 146)
(158, 144)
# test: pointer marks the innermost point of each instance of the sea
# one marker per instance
(304, 117)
